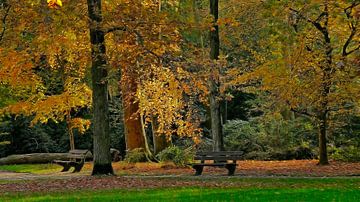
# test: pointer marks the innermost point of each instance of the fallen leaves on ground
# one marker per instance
(305, 168)
(149, 175)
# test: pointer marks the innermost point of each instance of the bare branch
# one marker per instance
(113, 29)
(355, 49)
(316, 22)
(302, 112)
(7, 11)
(353, 28)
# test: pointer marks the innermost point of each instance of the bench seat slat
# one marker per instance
(76, 156)
(219, 153)
(220, 158)
(212, 164)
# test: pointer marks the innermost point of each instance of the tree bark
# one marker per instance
(160, 140)
(214, 81)
(36, 158)
(323, 157)
(325, 89)
(102, 156)
(134, 136)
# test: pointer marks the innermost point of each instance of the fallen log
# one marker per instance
(36, 158)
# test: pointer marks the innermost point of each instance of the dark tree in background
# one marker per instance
(214, 81)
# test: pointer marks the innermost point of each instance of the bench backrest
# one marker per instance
(78, 154)
(79, 151)
(220, 155)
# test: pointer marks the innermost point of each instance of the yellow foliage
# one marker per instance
(54, 3)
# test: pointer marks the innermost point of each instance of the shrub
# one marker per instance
(136, 155)
(268, 138)
(180, 157)
(349, 154)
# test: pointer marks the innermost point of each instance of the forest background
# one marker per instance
(286, 79)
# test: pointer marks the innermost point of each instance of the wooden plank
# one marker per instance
(212, 164)
(221, 153)
(76, 156)
(224, 158)
(78, 151)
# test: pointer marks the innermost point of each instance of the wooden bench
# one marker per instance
(76, 159)
(220, 159)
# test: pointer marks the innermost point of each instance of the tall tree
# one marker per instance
(99, 72)
(214, 81)
(314, 70)
(327, 67)
(134, 136)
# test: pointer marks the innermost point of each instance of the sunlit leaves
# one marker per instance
(54, 3)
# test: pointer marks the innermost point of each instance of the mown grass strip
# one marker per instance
(195, 194)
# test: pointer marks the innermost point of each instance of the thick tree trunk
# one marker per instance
(214, 81)
(102, 156)
(36, 158)
(134, 136)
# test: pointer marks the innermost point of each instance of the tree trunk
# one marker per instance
(99, 73)
(327, 71)
(134, 136)
(323, 158)
(160, 140)
(36, 158)
(70, 131)
(214, 81)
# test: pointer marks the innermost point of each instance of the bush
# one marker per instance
(243, 136)
(269, 138)
(136, 155)
(349, 154)
(180, 157)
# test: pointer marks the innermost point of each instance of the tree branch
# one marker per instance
(316, 22)
(139, 37)
(303, 112)
(355, 49)
(7, 11)
(353, 28)
(113, 29)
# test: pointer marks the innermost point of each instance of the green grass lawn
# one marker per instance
(242, 189)
(196, 194)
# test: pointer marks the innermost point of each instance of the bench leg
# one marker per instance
(66, 167)
(198, 169)
(78, 167)
(231, 169)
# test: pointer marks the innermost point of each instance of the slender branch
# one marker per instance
(355, 49)
(353, 28)
(303, 112)
(113, 29)
(7, 11)
(316, 22)
(139, 37)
